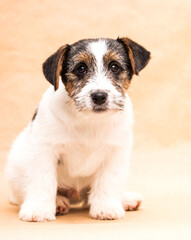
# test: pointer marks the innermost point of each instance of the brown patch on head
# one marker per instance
(70, 84)
(84, 57)
(73, 82)
(110, 56)
(121, 80)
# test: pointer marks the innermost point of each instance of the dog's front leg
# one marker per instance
(40, 186)
(107, 188)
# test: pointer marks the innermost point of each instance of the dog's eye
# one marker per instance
(114, 67)
(82, 69)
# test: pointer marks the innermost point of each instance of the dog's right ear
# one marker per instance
(52, 67)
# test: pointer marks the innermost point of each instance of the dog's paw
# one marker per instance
(34, 213)
(107, 211)
(131, 201)
(62, 205)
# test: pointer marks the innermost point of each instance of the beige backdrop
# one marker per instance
(31, 31)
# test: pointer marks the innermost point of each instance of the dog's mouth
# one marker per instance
(99, 110)
(105, 109)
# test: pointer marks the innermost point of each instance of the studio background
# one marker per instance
(160, 165)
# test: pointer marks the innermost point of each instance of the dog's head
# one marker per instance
(96, 72)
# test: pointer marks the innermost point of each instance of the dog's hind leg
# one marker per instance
(13, 177)
(62, 205)
(63, 199)
(14, 198)
(131, 200)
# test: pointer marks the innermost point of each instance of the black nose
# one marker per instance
(99, 97)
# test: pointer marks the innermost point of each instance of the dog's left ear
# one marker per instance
(52, 67)
(138, 55)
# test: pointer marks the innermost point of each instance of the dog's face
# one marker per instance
(96, 72)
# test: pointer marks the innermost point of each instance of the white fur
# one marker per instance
(98, 49)
(94, 149)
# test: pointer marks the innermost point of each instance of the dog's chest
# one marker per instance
(82, 161)
(86, 151)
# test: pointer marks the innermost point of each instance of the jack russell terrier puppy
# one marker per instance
(77, 146)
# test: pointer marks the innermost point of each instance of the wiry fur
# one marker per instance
(70, 149)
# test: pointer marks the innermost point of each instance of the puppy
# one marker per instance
(78, 144)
